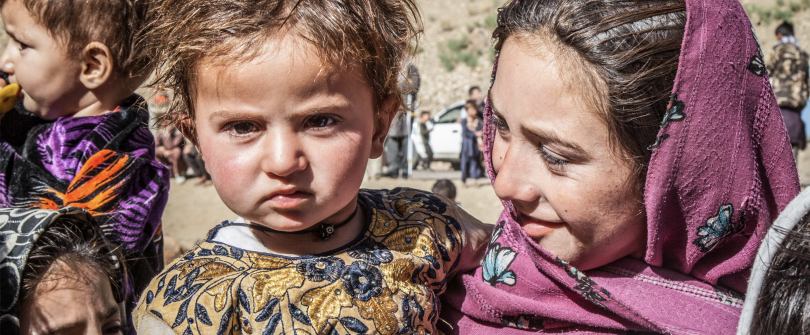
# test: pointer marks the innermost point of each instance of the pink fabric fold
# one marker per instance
(719, 176)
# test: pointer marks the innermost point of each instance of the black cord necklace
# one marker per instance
(325, 230)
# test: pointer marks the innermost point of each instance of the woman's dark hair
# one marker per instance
(628, 49)
(783, 306)
(76, 245)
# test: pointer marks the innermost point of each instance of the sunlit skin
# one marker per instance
(53, 83)
(71, 301)
(553, 160)
(286, 138)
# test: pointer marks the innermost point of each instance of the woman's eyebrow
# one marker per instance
(492, 103)
(546, 136)
(549, 136)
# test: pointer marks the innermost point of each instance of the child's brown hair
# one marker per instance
(114, 23)
(375, 34)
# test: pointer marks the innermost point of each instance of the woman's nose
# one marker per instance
(512, 181)
(283, 155)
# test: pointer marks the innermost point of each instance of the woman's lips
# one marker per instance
(537, 228)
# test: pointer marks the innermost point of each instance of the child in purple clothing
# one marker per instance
(79, 136)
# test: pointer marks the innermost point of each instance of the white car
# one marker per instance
(445, 139)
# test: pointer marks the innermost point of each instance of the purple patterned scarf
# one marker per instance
(717, 179)
(103, 164)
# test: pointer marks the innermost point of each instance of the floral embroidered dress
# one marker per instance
(387, 281)
(103, 164)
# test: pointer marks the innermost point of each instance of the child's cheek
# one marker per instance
(229, 168)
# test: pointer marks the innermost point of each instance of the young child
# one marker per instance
(445, 188)
(79, 137)
(59, 275)
(287, 101)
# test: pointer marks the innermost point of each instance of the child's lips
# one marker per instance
(537, 228)
(288, 199)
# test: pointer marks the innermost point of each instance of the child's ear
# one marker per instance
(389, 108)
(186, 127)
(97, 65)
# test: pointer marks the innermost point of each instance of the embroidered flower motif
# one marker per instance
(756, 65)
(362, 281)
(675, 113)
(412, 313)
(320, 269)
(497, 261)
(718, 227)
(372, 252)
(587, 286)
(523, 321)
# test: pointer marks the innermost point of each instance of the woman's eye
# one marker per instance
(551, 159)
(320, 121)
(242, 128)
(498, 123)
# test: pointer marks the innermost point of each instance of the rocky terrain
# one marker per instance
(447, 21)
(455, 51)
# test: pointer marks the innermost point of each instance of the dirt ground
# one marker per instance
(193, 210)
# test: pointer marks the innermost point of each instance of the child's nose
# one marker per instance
(6, 64)
(283, 157)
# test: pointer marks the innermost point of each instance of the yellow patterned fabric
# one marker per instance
(386, 281)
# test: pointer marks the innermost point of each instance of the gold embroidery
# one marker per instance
(210, 268)
(268, 262)
(381, 309)
(403, 206)
(192, 265)
(325, 302)
(382, 224)
(245, 325)
(269, 284)
(411, 241)
(220, 292)
(398, 276)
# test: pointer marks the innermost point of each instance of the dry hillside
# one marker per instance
(456, 51)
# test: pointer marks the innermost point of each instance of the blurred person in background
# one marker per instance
(445, 188)
(472, 131)
(476, 95)
(788, 70)
(193, 158)
(421, 138)
(169, 151)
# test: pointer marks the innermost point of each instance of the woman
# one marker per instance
(615, 220)
(472, 129)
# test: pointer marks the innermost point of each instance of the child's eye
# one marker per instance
(241, 128)
(23, 46)
(320, 121)
(113, 329)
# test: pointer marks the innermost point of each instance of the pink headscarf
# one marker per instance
(721, 172)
